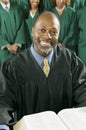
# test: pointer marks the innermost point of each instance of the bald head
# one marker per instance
(47, 17)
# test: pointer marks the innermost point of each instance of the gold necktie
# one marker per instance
(46, 67)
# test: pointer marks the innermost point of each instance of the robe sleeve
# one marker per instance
(21, 37)
(69, 39)
(20, 33)
(7, 95)
(3, 41)
(78, 82)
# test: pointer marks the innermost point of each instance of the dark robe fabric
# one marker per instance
(25, 89)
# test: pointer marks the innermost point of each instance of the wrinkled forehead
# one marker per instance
(47, 20)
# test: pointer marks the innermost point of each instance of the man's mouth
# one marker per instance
(45, 44)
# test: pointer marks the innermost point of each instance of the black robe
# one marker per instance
(25, 89)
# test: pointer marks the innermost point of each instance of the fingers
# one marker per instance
(12, 48)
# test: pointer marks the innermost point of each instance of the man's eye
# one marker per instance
(43, 30)
(54, 32)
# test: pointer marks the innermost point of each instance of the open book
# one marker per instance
(67, 119)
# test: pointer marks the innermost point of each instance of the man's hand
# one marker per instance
(61, 44)
(12, 48)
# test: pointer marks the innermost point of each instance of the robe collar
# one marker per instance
(4, 5)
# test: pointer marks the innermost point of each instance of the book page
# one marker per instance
(41, 121)
(74, 119)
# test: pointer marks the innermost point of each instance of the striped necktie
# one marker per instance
(46, 67)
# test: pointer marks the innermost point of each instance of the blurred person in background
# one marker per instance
(35, 7)
(77, 4)
(11, 18)
(21, 3)
(68, 23)
(81, 18)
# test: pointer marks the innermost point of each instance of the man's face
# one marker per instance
(5, 1)
(45, 33)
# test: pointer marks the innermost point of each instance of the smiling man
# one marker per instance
(45, 34)
(24, 87)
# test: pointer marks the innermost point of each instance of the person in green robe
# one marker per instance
(33, 10)
(68, 23)
(21, 3)
(47, 4)
(24, 87)
(81, 18)
(77, 4)
(11, 39)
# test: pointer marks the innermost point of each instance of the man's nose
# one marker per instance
(48, 35)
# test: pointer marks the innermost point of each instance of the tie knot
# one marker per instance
(46, 67)
(45, 61)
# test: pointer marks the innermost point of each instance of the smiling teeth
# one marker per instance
(45, 43)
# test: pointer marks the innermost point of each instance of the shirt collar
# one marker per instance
(62, 8)
(40, 58)
(4, 5)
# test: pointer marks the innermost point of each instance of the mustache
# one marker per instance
(48, 41)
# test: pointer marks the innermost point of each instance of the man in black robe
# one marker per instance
(25, 89)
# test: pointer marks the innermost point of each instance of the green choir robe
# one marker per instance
(10, 23)
(28, 27)
(47, 4)
(25, 89)
(68, 27)
(81, 18)
(76, 4)
(21, 3)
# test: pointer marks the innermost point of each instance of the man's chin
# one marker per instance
(45, 50)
